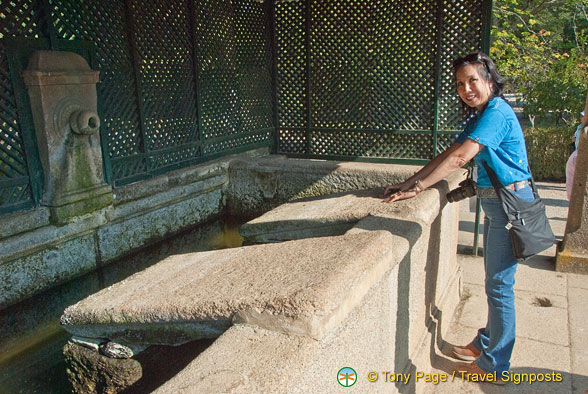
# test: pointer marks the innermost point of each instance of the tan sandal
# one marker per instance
(466, 353)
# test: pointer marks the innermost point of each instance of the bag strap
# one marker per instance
(497, 186)
(496, 183)
(493, 178)
(532, 182)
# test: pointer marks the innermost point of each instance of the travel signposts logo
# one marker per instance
(346, 377)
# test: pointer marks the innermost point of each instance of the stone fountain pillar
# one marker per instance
(572, 254)
(62, 91)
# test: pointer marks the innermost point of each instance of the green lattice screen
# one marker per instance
(185, 81)
(371, 79)
(18, 19)
(182, 81)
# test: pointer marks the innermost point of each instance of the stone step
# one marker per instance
(335, 214)
(303, 287)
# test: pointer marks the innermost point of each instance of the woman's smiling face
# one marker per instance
(474, 90)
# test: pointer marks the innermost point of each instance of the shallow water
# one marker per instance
(31, 339)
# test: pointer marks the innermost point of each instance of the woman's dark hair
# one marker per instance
(487, 70)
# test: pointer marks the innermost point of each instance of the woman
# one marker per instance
(493, 135)
(570, 170)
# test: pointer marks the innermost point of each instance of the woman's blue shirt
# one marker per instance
(498, 129)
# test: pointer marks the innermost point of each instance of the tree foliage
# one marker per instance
(541, 48)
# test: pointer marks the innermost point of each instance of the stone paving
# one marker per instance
(551, 314)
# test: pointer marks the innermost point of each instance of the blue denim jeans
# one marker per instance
(496, 340)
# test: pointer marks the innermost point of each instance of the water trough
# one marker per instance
(348, 280)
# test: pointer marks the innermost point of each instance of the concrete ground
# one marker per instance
(552, 312)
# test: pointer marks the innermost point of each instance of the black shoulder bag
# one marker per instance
(529, 229)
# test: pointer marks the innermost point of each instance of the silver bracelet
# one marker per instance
(418, 186)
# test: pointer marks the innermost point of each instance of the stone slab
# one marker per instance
(47, 237)
(247, 371)
(165, 182)
(263, 361)
(577, 281)
(540, 299)
(554, 320)
(116, 239)
(166, 197)
(259, 185)
(339, 212)
(312, 217)
(475, 309)
(303, 287)
(529, 277)
(27, 275)
(545, 356)
(554, 328)
(578, 309)
(20, 222)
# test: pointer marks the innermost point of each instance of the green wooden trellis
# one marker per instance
(372, 81)
(187, 81)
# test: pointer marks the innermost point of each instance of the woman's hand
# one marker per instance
(391, 189)
(401, 195)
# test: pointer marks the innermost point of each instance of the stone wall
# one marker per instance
(36, 254)
(259, 185)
